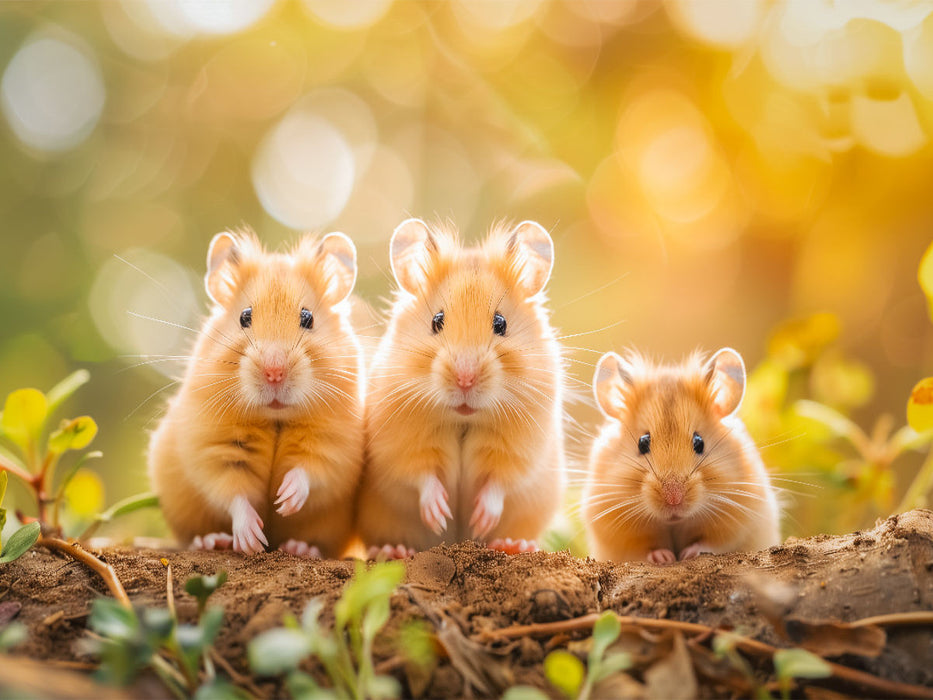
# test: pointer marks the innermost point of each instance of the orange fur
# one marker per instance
(221, 439)
(728, 501)
(513, 441)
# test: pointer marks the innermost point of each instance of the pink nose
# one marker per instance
(275, 374)
(466, 379)
(673, 493)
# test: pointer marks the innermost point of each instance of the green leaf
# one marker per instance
(220, 689)
(12, 634)
(211, 622)
(110, 618)
(157, 624)
(612, 664)
(13, 458)
(925, 276)
(20, 542)
(201, 587)
(367, 585)
(311, 615)
(417, 643)
(277, 651)
(301, 686)
(605, 632)
(377, 614)
(524, 692)
(908, 440)
(564, 671)
(4, 478)
(74, 434)
(129, 505)
(382, 687)
(62, 391)
(24, 415)
(800, 663)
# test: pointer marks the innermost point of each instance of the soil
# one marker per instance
(466, 593)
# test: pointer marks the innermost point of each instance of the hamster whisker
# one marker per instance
(709, 452)
(188, 328)
(150, 397)
(598, 330)
(593, 291)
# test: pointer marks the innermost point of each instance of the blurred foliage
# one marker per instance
(708, 170)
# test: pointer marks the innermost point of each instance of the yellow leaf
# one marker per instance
(798, 342)
(85, 493)
(75, 434)
(24, 415)
(920, 406)
(925, 276)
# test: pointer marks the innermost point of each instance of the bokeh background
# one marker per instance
(745, 173)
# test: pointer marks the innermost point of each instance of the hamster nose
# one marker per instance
(466, 378)
(274, 373)
(673, 493)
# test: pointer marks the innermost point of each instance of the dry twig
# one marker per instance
(103, 569)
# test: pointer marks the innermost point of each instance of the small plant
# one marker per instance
(797, 663)
(346, 651)
(133, 639)
(567, 673)
(21, 540)
(31, 451)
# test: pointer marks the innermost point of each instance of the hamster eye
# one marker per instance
(698, 444)
(437, 322)
(246, 317)
(644, 443)
(498, 324)
(307, 320)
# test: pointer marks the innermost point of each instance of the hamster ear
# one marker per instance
(410, 252)
(609, 383)
(223, 257)
(337, 255)
(532, 249)
(725, 374)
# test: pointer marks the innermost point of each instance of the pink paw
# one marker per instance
(510, 546)
(388, 551)
(661, 556)
(292, 494)
(247, 528)
(213, 541)
(300, 548)
(434, 505)
(488, 510)
(695, 549)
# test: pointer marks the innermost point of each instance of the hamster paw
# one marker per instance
(488, 510)
(694, 550)
(292, 494)
(510, 546)
(435, 509)
(213, 541)
(300, 548)
(247, 528)
(661, 556)
(388, 551)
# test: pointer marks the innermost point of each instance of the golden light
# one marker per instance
(725, 23)
(888, 127)
(52, 92)
(347, 15)
(186, 18)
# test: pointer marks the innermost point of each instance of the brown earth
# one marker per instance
(467, 592)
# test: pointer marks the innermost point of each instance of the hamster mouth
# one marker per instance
(275, 403)
(465, 410)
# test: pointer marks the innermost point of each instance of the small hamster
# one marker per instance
(674, 472)
(263, 443)
(464, 401)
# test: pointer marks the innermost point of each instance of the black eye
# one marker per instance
(498, 324)
(307, 320)
(698, 444)
(644, 443)
(437, 322)
(246, 317)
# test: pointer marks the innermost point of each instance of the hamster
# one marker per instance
(263, 443)
(674, 472)
(464, 401)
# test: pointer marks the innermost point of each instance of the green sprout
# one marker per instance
(31, 449)
(346, 651)
(130, 640)
(565, 672)
(797, 663)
